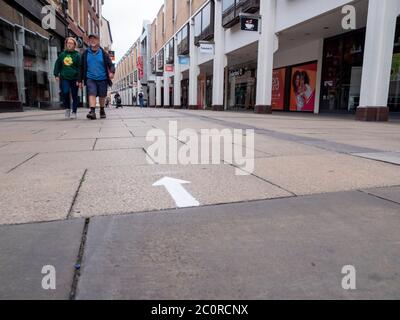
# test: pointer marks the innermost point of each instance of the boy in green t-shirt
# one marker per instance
(67, 70)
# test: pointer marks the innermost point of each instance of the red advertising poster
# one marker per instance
(140, 67)
(278, 89)
(303, 85)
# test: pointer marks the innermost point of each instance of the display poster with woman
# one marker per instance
(303, 85)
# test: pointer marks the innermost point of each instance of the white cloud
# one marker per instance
(126, 20)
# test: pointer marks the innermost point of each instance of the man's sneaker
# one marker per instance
(91, 116)
(74, 116)
(103, 115)
(67, 114)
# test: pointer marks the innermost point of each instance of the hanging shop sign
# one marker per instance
(112, 55)
(249, 23)
(184, 60)
(169, 68)
(236, 72)
(206, 48)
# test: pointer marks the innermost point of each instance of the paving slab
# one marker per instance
(121, 190)
(391, 194)
(280, 249)
(389, 157)
(313, 174)
(96, 160)
(38, 196)
(26, 249)
(48, 146)
(10, 161)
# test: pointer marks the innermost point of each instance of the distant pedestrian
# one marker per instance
(108, 102)
(141, 99)
(97, 72)
(118, 100)
(67, 72)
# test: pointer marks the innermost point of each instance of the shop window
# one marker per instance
(231, 10)
(204, 24)
(394, 89)
(160, 61)
(170, 52)
(183, 41)
(6, 36)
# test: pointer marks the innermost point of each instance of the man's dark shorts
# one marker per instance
(97, 88)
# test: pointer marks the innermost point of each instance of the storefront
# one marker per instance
(242, 87)
(294, 87)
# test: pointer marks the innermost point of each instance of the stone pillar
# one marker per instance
(177, 78)
(266, 56)
(378, 53)
(194, 70)
(219, 60)
(158, 92)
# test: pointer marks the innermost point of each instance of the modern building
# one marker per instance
(29, 48)
(310, 56)
(106, 40)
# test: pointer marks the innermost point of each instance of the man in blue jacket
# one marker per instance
(97, 73)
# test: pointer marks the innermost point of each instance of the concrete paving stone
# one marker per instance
(281, 249)
(26, 249)
(96, 160)
(326, 173)
(10, 161)
(130, 189)
(144, 131)
(37, 197)
(48, 146)
(122, 132)
(390, 157)
(278, 147)
(391, 194)
(128, 143)
(384, 144)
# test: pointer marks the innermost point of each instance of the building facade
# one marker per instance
(29, 47)
(312, 56)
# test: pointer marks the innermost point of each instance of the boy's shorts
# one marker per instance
(97, 88)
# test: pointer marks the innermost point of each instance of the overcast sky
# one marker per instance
(126, 19)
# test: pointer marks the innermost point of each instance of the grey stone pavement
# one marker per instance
(324, 193)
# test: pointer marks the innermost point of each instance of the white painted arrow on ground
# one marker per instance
(182, 198)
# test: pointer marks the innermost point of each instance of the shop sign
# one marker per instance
(112, 55)
(206, 48)
(249, 23)
(184, 60)
(169, 68)
(236, 72)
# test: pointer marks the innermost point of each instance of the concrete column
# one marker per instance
(266, 56)
(194, 70)
(219, 60)
(379, 42)
(177, 79)
(166, 90)
(158, 92)
(152, 95)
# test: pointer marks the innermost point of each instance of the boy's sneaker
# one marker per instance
(103, 115)
(91, 116)
(67, 114)
(74, 116)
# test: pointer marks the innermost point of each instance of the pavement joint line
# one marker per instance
(154, 162)
(263, 179)
(31, 115)
(133, 135)
(70, 212)
(22, 163)
(94, 145)
(79, 260)
(379, 197)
